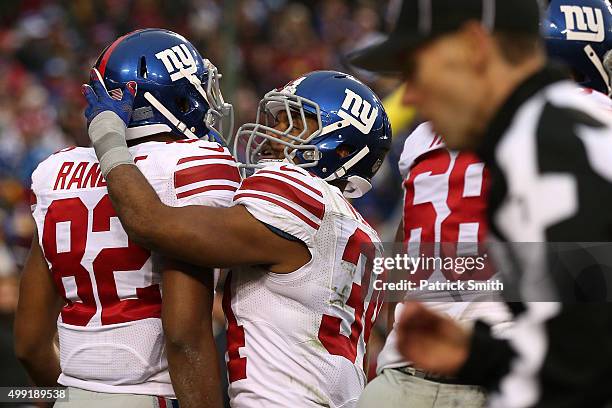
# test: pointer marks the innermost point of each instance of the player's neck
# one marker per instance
(341, 184)
(161, 137)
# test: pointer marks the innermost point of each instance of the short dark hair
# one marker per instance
(517, 47)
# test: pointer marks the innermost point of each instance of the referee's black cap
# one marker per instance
(419, 21)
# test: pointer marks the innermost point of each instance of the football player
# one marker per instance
(444, 206)
(298, 302)
(120, 344)
(589, 56)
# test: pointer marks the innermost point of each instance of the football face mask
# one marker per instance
(285, 125)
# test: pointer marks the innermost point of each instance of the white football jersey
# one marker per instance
(110, 331)
(298, 339)
(596, 97)
(444, 201)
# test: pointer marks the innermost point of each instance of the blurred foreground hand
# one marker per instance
(434, 343)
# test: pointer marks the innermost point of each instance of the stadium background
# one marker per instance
(47, 48)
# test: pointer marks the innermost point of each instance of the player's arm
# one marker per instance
(187, 320)
(206, 236)
(214, 237)
(36, 320)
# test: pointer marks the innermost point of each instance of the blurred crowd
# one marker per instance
(48, 46)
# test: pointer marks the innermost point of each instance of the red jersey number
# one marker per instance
(463, 208)
(330, 335)
(329, 332)
(236, 365)
(465, 180)
(66, 264)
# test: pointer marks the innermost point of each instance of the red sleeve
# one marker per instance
(285, 199)
(205, 176)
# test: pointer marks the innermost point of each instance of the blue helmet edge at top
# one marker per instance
(178, 90)
(350, 142)
(578, 33)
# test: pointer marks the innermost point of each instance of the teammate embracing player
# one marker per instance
(299, 304)
(119, 343)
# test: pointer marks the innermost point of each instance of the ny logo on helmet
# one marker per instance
(361, 115)
(584, 23)
(179, 62)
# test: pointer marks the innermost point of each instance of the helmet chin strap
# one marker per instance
(607, 63)
(346, 166)
(356, 186)
(195, 81)
(592, 55)
(169, 116)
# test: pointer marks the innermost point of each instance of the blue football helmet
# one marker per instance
(178, 90)
(349, 117)
(579, 34)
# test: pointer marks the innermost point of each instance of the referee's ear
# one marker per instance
(478, 45)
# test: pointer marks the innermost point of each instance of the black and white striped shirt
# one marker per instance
(549, 151)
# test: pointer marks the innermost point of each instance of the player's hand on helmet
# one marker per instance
(107, 119)
(99, 100)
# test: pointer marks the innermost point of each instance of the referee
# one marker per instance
(477, 70)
